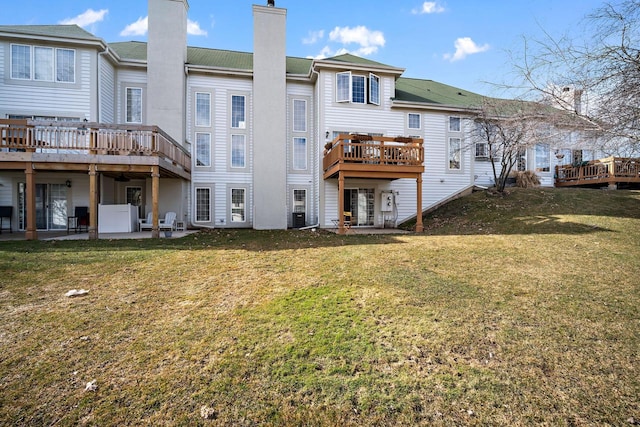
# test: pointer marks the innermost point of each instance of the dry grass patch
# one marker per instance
(517, 310)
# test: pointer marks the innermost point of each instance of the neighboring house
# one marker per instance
(226, 139)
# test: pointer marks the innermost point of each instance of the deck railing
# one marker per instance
(610, 170)
(374, 150)
(91, 138)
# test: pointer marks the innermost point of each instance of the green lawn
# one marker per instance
(516, 310)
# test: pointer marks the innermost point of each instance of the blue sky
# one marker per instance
(463, 43)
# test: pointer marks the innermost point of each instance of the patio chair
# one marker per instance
(169, 221)
(147, 223)
(79, 219)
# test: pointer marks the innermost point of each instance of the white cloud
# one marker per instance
(87, 18)
(138, 28)
(141, 26)
(464, 47)
(368, 40)
(314, 37)
(326, 52)
(193, 28)
(428, 7)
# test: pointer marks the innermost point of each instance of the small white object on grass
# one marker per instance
(91, 386)
(76, 292)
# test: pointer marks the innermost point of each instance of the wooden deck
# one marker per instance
(73, 146)
(609, 171)
(364, 156)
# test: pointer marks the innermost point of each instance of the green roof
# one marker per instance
(205, 57)
(348, 58)
(61, 31)
(428, 91)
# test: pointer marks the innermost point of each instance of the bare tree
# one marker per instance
(510, 127)
(602, 69)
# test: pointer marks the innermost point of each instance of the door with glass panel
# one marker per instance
(51, 206)
(361, 203)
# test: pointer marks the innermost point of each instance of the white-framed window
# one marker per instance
(455, 154)
(238, 112)
(299, 201)
(521, 160)
(43, 63)
(343, 86)
(543, 161)
(358, 89)
(374, 89)
(413, 121)
(299, 115)
(203, 109)
(454, 124)
(482, 150)
(238, 151)
(133, 108)
(238, 203)
(203, 204)
(203, 149)
(300, 153)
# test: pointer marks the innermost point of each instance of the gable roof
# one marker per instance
(353, 59)
(73, 32)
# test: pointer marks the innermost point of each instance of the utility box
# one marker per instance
(299, 220)
(386, 201)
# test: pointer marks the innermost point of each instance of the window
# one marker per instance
(203, 205)
(20, 62)
(343, 87)
(134, 105)
(299, 115)
(47, 64)
(563, 156)
(543, 163)
(374, 89)
(482, 150)
(238, 112)
(203, 109)
(65, 65)
(358, 92)
(43, 63)
(521, 160)
(299, 201)
(413, 121)
(238, 151)
(299, 153)
(203, 149)
(454, 154)
(454, 124)
(237, 205)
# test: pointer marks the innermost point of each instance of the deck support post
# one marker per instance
(155, 195)
(93, 202)
(30, 233)
(341, 229)
(419, 225)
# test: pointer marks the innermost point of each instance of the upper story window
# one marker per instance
(374, 89)
(133, 105)
(238, 151)
(43, 63)
(353, 88)
(238, 112)
(203, 149)
(454, 124)
(203, 109)
(413, 121)
(299, 115)
(455, 154)
(299, 153)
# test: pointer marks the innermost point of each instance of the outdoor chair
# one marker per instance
(79, 219)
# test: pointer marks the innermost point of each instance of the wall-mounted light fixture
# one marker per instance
(68, 183)
(326, 135)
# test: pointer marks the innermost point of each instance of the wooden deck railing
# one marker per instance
(91, 138)
(374, 151)
(611, 170)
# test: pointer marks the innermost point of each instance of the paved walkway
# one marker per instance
(62, 235)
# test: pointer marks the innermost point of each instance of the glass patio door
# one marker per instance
(51, 206)
(361, 203)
